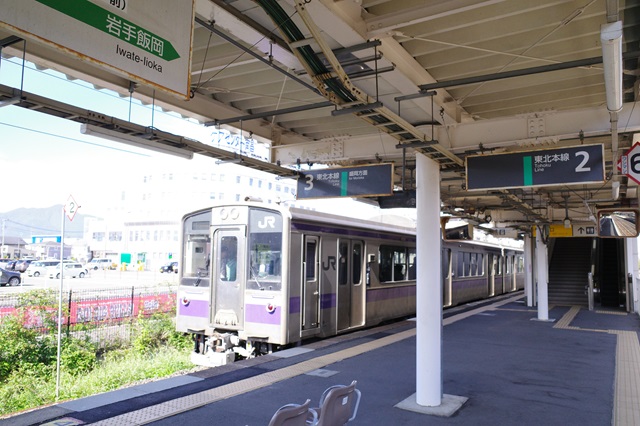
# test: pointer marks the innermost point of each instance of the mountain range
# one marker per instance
(28, 222)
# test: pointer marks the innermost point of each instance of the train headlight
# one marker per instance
(234, 214)
(224, 214)
(271, 308)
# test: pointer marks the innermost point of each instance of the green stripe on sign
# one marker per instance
(527, 166)
(344, 178)
(112, 24)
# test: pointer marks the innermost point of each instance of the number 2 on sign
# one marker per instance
(585, 159)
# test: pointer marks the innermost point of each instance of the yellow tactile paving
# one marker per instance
(626, 400)
(567, 318)
(626, 409)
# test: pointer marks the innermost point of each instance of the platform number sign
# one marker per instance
(629, 163)
(555, 166)
(71, 207)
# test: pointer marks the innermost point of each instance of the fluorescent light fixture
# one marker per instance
(10, 101)
(611, 39)
(137, 141)
(358, 108)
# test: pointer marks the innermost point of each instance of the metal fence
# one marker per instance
(104, 314)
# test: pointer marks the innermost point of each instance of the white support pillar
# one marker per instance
(429, 284)
(528, 269)
(542, 274)
(429, 398)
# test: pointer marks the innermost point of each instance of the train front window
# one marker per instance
(265, 250)
(196, 250)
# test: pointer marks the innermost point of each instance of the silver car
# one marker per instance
(73, 270)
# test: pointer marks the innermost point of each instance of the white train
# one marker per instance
(255, 278)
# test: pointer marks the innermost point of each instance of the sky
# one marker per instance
(45, 159)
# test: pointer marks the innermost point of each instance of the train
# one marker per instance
(255, 278)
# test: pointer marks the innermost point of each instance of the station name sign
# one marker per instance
(148, 41)
(558, 166)
(362, 181)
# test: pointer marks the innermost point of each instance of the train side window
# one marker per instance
(480, 271)
(400, 264)
(343, 264)
(519, 264)
(310, 261)
(473, 264)
(412, 264)
(460, 265)
(394, 263)
(356, 263)
(385, 264)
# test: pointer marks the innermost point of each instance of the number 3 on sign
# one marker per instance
(585, 159)
(309, 182)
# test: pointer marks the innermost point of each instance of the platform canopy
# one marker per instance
(357, 82)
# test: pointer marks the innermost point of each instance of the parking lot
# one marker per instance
(97, 279)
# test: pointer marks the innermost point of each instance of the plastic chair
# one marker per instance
(294, 415)
(338, 405)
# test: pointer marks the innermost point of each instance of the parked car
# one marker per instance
(39, 267)
(10, 265)
(9, 277)
(101, 263)
(72, 269)
(170, 267)
(22, 265)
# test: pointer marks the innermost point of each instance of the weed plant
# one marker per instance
(87, 367)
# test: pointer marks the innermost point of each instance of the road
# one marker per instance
(97, 279)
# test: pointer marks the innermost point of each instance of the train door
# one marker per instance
(310, 284)
(228, 275)
(447, 274)
(493, 268)
(350, 291)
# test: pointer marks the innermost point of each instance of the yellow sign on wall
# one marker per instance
(558, 230)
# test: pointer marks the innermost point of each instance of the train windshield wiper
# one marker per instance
(254, 276)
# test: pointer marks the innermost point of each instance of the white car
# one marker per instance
(39, 267)
(96, 264)
(73, 270)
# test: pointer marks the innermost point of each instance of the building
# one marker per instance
(143, 226)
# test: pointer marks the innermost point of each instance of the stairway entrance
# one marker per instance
(569, 265)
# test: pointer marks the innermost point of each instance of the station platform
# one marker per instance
(581, 368)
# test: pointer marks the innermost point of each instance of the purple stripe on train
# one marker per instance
(379, 294)
(194, 308)
(328, 301)
(294, 305)
(260, 314)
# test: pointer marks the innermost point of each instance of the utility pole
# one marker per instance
(2, 246)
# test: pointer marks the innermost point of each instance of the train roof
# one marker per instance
(333, 219)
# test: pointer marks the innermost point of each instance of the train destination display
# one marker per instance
(362, 181)
(558, 166)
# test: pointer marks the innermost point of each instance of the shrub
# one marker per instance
(157, 331)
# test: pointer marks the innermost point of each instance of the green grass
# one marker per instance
(29, 388)
(28, 360)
